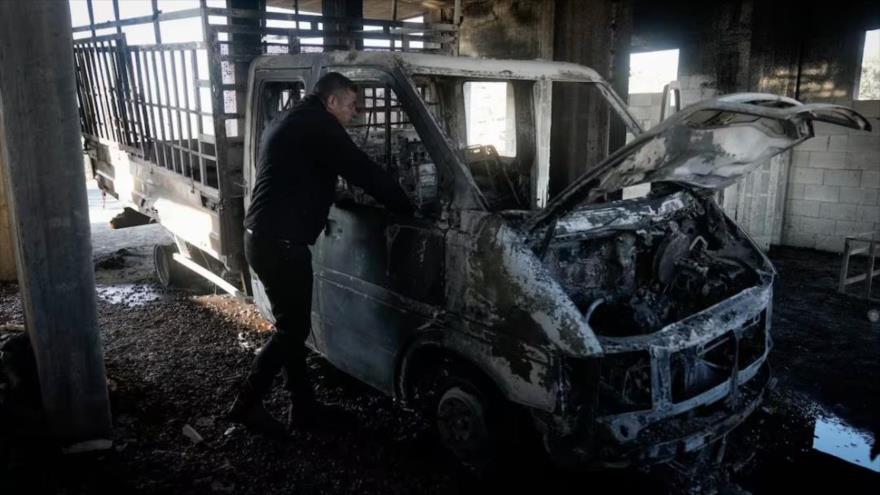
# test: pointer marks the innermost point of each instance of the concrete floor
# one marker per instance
(106, 240)
(174, 359)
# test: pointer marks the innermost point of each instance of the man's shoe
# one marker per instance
(255, 417)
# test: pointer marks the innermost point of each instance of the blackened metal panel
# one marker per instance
(380, 277)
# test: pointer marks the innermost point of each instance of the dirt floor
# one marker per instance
(174, 359)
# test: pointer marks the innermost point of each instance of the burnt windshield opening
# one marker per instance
(519, 139)
(490, 124)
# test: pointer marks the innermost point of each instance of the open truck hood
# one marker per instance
(708, 145)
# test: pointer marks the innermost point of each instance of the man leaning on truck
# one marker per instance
(301, 156)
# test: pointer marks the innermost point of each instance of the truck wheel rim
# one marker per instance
(461, 421)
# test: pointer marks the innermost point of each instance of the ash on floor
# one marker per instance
(174, 362)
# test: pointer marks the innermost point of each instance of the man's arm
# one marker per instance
(356, 167)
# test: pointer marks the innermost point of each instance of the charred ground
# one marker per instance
(174, 359)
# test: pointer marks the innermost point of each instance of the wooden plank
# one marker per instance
(208, 274)
(57, 278)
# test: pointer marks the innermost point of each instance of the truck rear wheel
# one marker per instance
(170, 273)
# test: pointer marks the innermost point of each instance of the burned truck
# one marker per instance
(627, 330)
(622, 331)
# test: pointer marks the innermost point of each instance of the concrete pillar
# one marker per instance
(342, 8)
(249, 45)
(595, 33)
(7, 254)
(43, 159)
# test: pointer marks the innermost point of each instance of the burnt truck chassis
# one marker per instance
(668, 429)
(681, 383)
(689, 368)
(665, 404)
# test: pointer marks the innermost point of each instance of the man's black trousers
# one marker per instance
(285, 269)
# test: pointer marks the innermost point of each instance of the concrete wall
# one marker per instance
(834, 178)
(829, 188)
(834, 184)
(507, 29)
(645, 107)
(597, 34)
(7, 255)
(831, 185)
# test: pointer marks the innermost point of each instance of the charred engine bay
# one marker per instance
(634, 280)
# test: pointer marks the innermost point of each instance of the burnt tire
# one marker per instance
(170, 273)
(471, 422)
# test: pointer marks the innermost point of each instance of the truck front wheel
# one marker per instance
(463, 426)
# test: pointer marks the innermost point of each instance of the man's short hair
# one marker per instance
(332, 83)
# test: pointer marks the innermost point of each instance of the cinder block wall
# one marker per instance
(696, 88)
(645, 107)
(834, 184)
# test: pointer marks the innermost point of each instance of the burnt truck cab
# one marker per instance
(627, 330)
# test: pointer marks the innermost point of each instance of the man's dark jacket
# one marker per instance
(301, 154)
